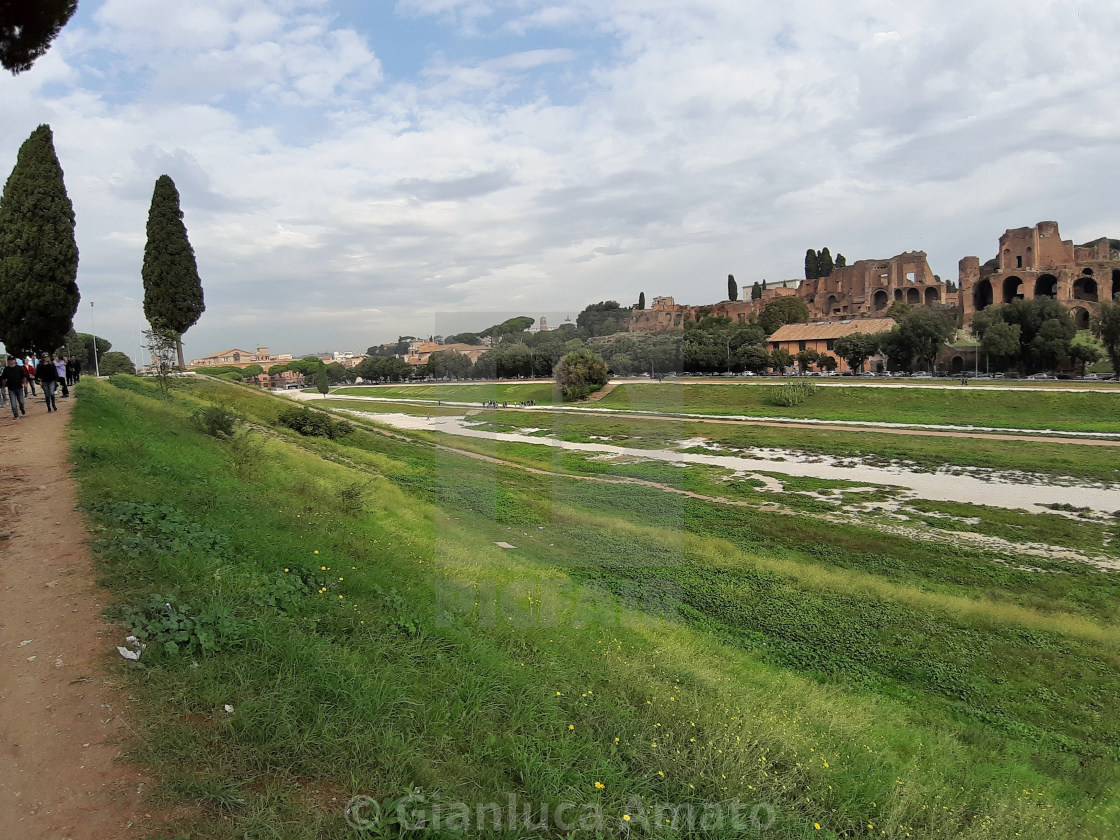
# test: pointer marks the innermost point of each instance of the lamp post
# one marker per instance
(93, 330)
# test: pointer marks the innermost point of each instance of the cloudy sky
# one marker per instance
(352, 170)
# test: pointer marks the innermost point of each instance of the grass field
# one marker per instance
(637, 648)
(919, 452)
(508, 392)
(1033, 409)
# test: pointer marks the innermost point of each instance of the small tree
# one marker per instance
(581, 374)
(642, 301)
(1084, 350)
(1000, 344)
(322, 381)
(780, 359)
(115, 362)
(172, 288)
(806, 359)
(841, 261)
(756, 291)
(784, 310)
(1106, 325)
(827, 362)
(857, 348)
(732, 288)
(161, 344)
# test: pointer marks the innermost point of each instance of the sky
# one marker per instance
(355, 170)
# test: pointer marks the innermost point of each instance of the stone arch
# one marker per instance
(1080, 317)
(1115, 283)
(1085, 288)
(1088, 272)
(933, 295)
(913, 296)
(1012, 288)
(956, 365)
(880, 300)
(831, 303)
(982, 295)
(1046, 286)
(898, 294)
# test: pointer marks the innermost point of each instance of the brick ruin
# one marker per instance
(1035, 262)
(1032, 262)
(869, 287)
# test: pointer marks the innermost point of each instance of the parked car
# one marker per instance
(1090, 377)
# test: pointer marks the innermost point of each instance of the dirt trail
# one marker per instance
(61, 724)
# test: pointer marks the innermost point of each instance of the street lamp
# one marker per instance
(93, 330)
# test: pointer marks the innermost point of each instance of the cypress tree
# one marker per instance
(811, 271)
(642, 300)
(756, 291)
(824, 263)
(841, 261)
(172, 288)
(732, 288)
(38, 252)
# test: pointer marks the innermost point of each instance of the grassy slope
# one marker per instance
(386, 689)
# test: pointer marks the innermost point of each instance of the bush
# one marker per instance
(214, 421)
(313, 423)
(792, 393)
(581, 374)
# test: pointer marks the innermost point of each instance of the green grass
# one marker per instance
(1026, 409)
(841, 677)
(542, 392)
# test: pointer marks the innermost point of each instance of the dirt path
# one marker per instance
(61, 724)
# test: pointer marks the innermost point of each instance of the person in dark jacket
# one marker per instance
(48, 378)
(14, 377)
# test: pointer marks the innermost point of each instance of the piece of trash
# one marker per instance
(504, 545)
(134, 649)
(32, 658)
(228, 709)
(58, 662)
(26, 642)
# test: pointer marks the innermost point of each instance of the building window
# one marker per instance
(801, 345)
(1018, 262)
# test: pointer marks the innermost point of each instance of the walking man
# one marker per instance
(48, 378)
(60, 366)
(14, 376)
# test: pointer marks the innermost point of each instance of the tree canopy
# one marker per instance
(784, 310)
(38, 251)
(581, 374)
(1106, 325)
(27, 28)
(172, 288)
(1045, 331)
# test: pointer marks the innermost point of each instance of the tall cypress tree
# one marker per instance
(756, 291)
(642, 300)
(172, 287)
(841, 261)
(732, 288)
(38, 252)
(824, 263)
(811, 271)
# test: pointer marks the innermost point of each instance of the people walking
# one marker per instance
(14, 377)
(29, 366)
(48, 378)
(60, 367)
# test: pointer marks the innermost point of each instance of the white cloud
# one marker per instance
(553, 153)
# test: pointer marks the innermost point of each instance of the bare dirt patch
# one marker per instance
(62, 717)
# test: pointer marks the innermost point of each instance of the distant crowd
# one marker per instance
(51, 374)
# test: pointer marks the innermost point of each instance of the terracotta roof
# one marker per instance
(830, 329)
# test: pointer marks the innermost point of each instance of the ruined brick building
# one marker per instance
(1035, 262)
(867, 287)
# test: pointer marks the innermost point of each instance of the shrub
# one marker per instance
(581, 374)
(214, 421)
(791, 393)
(313, 423)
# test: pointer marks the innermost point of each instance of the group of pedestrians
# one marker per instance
(52, 373)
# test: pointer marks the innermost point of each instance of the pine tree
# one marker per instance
(172, 288)
(824, 263)
(756, 291)
(642, 300)
(38, 252)
(811, 271)
(732, 288)
(27, 29)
